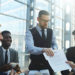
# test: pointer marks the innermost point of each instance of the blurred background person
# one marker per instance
(70, 54)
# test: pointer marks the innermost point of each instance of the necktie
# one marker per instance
(43, 34)
(6, 57)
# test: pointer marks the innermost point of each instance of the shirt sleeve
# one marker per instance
(30, 44)
(54, 44)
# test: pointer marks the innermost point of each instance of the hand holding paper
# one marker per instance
(58, 61)
(48, 51)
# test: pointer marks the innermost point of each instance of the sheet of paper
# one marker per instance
(14, 64)
(58, 61)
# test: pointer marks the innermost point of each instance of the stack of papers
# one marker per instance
(58, 61)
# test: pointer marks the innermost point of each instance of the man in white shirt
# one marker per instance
(40, 39)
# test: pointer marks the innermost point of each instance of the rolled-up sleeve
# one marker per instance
(30, 44)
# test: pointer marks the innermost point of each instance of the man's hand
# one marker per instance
(13, 72)
(48, 51)
(17, 69)
(71, 73)
(71, 64)
(5, 67)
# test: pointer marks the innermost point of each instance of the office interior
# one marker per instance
(19, 15)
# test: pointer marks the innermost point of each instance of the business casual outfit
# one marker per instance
(12, 56)
(35, 43)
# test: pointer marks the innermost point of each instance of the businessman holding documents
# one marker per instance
(40, 39)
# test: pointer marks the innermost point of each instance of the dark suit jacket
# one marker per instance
(70, 54)
(13, 56)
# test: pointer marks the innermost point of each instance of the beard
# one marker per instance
(6, 45)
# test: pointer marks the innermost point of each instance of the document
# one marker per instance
(14, 64)
(58, 61)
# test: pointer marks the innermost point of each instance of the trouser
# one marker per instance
(38, 68)
(38, 62)
(40, 72)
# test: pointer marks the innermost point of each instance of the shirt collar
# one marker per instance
(39, 29)
(4, 50)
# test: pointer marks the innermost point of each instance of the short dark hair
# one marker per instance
(43, 12)
(5, 32)
(73, 32)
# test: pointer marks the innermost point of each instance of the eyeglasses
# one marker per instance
(44, 20)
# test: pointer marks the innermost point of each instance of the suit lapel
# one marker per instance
(1, 55)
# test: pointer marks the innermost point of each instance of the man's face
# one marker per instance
(7, 40)
(43, 21)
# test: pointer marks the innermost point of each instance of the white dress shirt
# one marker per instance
(8, 54)
(30, 42)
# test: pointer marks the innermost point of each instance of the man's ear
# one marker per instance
(1, 37)
(1, 40)
(38, 19)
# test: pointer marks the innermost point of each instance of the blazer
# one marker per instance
(13, 56)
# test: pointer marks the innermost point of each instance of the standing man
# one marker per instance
(7, 54)
(40, 39)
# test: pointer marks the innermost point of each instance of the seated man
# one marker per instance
(70, 54)
(71, 51)
(7, 54)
